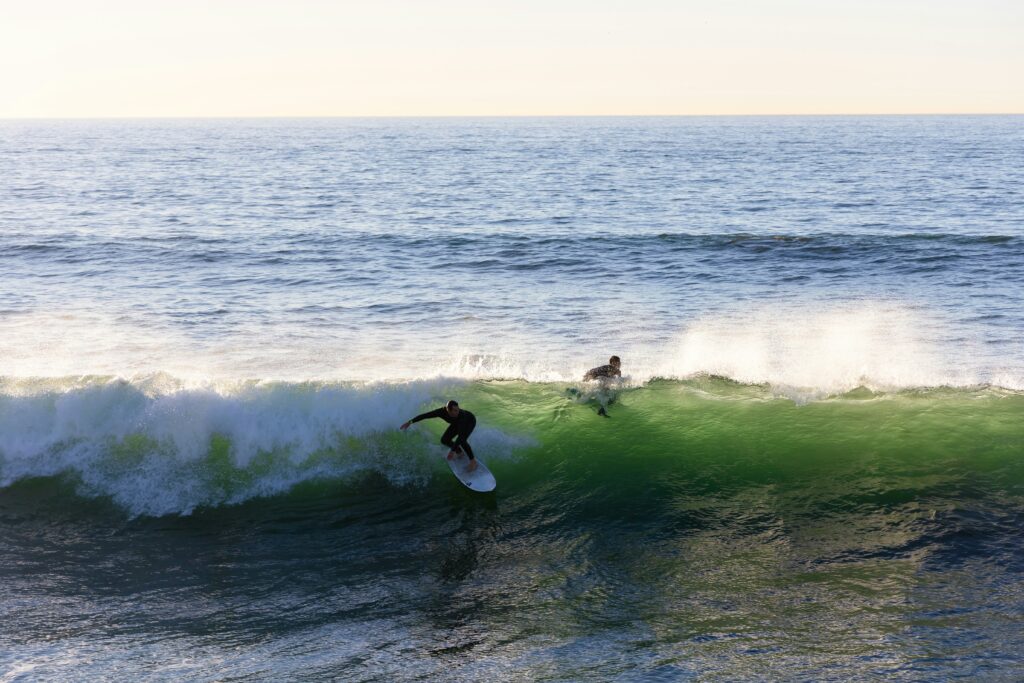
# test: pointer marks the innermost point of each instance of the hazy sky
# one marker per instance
(71, 58)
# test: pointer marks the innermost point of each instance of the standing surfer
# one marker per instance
(460, 426)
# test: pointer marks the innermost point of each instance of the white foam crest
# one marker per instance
(802, 348)
(803, 351)
(147, 443)
(804, 354)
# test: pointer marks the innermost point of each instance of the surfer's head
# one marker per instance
(452, 407)
(614, 361)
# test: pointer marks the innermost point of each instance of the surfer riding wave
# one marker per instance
(460, 425)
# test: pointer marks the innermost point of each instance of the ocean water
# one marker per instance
(813, 469)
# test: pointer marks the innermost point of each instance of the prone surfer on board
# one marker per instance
(460, 426)
(613, 369)
(603, 373)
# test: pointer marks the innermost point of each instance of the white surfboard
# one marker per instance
(479, 479)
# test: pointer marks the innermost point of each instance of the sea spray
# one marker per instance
(803, 347)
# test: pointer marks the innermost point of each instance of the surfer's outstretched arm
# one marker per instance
(425, 416)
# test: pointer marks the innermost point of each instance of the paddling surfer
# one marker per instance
(613, 369)
(604, 374)
(460, 426)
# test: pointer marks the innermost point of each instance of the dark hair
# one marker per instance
(451, 404)
(614, 360)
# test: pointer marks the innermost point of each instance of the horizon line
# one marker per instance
(488, 116)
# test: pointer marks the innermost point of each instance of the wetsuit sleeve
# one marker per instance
(427, 416)
(602, 371)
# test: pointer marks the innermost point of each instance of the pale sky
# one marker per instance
(142, 58)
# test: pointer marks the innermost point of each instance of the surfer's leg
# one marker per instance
(464, 445)
(469, 451)
(463, 438)
(447, 439)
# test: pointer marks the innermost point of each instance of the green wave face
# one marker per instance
(672, 444)
(664, 446)
(716, 425)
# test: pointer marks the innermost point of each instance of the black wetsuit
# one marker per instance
(459, 428)
(603, 371)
